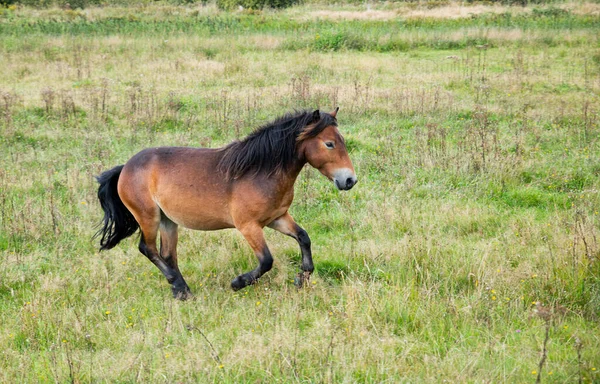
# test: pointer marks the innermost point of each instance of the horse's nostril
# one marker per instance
(349, 182)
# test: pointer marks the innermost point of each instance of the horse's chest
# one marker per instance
(280, 205)
(260, 200)
(284, 198)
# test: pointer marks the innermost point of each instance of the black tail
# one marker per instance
(118, 222)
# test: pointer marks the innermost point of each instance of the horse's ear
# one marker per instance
(316, 116)
(334, 113)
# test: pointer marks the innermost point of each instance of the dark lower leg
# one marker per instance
(304, 242)
(265, 264)
(255, 237)
(286, 225)
(178, 285)
(307, 261)
(168, 252)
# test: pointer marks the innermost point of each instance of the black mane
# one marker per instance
(272, 147)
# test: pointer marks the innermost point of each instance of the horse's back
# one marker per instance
(160, 156)
(183, 183)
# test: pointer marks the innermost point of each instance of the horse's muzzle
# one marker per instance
(344, 179)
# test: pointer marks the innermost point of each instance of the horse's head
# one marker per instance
(324, 148)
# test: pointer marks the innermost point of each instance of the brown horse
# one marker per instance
(248, 184)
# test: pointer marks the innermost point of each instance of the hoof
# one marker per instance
(302, 279)
(238, 283)
(182, 293)
(242, 281)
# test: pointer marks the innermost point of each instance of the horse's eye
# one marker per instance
(330, 144)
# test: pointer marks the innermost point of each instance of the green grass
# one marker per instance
(477, 209)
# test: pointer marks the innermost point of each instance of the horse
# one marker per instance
(247, 185)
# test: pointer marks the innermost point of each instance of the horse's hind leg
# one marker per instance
(168, 252)
(149, 224)
(255, 237)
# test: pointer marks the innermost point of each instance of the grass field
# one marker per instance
(469, 246)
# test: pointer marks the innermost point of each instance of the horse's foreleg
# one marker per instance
(255, 237)
(286, 225)
(168, 252)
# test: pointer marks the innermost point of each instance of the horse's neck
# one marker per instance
(286, 180)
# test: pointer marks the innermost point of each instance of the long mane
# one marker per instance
(272, 147)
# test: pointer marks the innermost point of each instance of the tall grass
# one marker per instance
(468, 251)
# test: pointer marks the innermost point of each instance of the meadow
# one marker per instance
(467, 252)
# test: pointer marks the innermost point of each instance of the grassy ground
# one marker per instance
(469, 246)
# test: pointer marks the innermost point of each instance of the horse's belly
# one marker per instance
(207, 225)
(198, 214)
